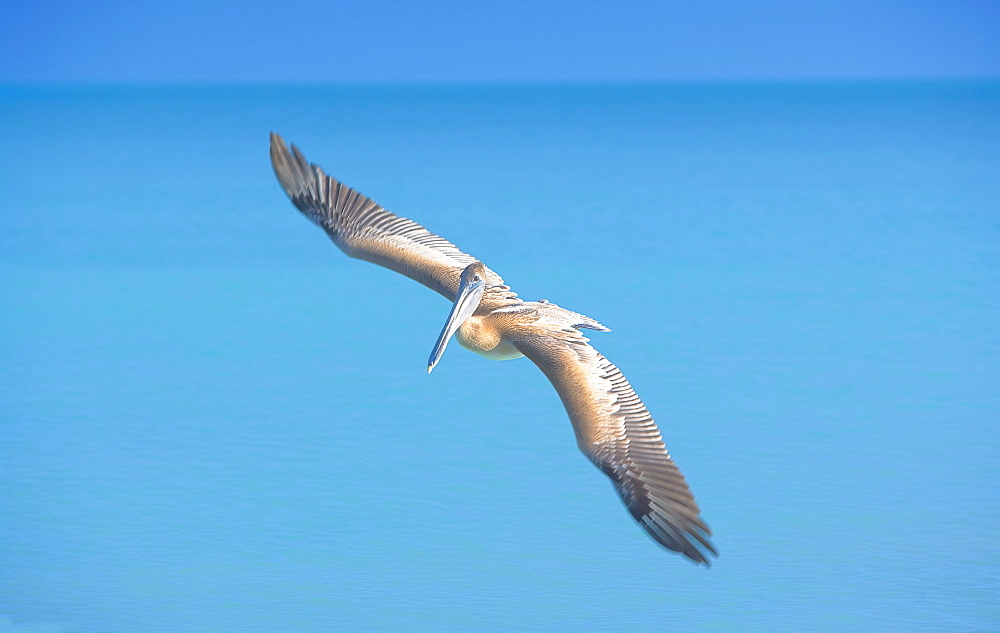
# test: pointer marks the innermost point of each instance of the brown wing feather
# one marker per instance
(615, 430)
(363, 229)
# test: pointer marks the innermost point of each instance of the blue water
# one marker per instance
(214, 421)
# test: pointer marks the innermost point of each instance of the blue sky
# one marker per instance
(446, 40)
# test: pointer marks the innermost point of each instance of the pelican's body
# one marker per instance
(481, 334)
(613, 428)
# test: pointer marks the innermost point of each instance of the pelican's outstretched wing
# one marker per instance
(363, 229)
(614, 429)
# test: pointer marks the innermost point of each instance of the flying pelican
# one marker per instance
(613, 428)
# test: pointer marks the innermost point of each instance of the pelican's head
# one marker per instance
(471, 287)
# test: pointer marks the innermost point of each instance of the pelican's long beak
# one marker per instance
(465, 304)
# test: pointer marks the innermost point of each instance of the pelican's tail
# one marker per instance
(578, 320)
(590, 324)
(557, 316)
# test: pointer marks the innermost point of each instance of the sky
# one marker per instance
(457, 41)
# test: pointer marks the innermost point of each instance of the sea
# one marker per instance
(213, 421)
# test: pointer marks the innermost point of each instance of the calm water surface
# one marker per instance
(214, 421)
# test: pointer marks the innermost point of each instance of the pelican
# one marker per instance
(613, 428)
